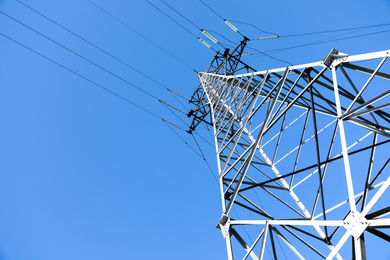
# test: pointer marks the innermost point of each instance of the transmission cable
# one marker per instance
(223, 19)
(326, 41)
(272, 57)
(222, 36)
(83, 77)
(205, 160)
(140, 34)
(211, 9)
(330, 40)
(202, 30)
(181, 15)
(167, 106)
(91, 62)
(172, 19)
(309, 33)
(277, 36)
(183, 139)
(201, 154)
(200, 39)
(236, 30)
(204, 139)
(336, 30)
(110, 55)
(166, 122)
(261, 52)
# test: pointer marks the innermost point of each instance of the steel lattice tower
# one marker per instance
(302, 155)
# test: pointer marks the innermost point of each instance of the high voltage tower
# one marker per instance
(302, 155)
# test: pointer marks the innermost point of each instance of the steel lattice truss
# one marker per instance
(302, 157)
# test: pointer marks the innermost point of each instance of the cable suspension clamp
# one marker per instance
(334, 58)
(224, 225)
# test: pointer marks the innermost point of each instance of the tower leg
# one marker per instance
(358, 248)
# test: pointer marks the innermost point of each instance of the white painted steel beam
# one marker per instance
(250, 112)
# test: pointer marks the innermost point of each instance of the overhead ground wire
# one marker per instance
(254, 27)
(312, 33)
(211, 9)
(294, 35)
(336, 30)
(169, 124)
(204, 139)
(107, 53)
(187, 30)
(172, 19)
(261, 52)
(167, 107)
(200, 153)
(222, 36)
(235, 29)
(205, 160)
(225, 20)
(83, 77)
(182, 139)
(82, 57)
(325, 41)
(202, 30)
(188, 20)
(140, 34)
(166, 122)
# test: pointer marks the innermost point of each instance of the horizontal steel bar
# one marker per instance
(360, 57)
(293, 222)
(366, 70)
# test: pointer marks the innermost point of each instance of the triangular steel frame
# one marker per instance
(310, 142)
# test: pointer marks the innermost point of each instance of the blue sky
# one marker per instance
(85, 174)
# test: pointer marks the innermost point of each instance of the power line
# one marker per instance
(172, 19)
(83, 77)
(220, 42)
(91, 62)
(236, 30)
(222, 36)
(336, 30)
(183, 139)
(291, 35)
(201, 155)
(167, 107)
(166, 122)
(326, 41)
(143, 36)
(181, 15)
(305, 34)
(205, 160)
(202, 30)
(283, 61)
(261, 52)
(204, 139)
(200, 39)
(102, 50)
(272, 57)
(225, 20)
(211, 9)
(255, 27)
